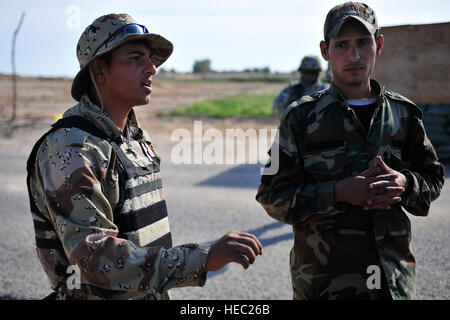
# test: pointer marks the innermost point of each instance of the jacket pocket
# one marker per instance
(396, 163)
(326, 165)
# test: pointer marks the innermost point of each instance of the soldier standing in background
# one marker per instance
(309, 83)
(94, 182)
(352, 158)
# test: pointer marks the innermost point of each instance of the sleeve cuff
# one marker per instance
(411, 186)
(195, 270)
(327, 204)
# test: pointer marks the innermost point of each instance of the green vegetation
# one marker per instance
(202, 66)
(240, 105)
(254, 79)
(230, 78)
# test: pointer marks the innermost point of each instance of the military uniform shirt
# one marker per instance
(320, 141)
(75, 186)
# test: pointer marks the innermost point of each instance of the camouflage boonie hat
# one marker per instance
(341, 13)
(310, 63)
(107, 33)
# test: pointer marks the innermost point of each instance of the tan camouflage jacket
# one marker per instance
(321, 142)
(75, 186)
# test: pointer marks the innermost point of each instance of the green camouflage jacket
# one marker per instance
(320, 142)
(74, 185)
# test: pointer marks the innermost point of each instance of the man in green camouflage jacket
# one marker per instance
(350, 160)
(95, 187)
(309, 83)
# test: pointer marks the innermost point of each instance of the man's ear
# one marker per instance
(98, 70)
(380, 45)
(324, 50)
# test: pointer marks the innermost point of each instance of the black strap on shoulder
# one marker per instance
(78, 122)
(68, 122)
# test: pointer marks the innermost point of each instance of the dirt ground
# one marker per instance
(41, 99)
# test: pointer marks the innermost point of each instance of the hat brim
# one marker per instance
(337, 28)
(160, 49)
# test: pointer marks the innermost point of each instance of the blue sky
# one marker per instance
(234, 34)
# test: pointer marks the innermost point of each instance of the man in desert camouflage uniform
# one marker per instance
(309, 83)
(352, 158)
(95, 187)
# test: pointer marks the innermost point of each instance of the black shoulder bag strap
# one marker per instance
(69, 122)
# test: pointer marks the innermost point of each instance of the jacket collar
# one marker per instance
(374, 84)
(97, 116)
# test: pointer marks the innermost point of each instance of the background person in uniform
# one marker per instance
(95, 187)
(309, 82)
(352, 158)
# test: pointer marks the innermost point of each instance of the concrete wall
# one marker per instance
(416, 62)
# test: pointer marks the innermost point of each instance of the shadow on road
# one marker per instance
(249, 176)
(269, 241)
(245, 176)
(242, 176)
(8, 297)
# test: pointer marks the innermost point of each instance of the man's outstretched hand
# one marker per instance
(234, 246)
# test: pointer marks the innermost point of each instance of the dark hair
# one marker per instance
(106, 58)
(85, 82)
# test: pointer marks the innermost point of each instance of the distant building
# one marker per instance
(416, 63)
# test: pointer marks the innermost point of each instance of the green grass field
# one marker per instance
(240, 105)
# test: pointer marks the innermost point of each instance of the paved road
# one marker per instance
(204, 202)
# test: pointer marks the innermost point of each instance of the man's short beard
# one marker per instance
(353, 82)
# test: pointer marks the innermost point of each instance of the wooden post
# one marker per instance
(13, 62)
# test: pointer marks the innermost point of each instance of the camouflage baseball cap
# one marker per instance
(107, 33)
(310, 63)
(341, 13)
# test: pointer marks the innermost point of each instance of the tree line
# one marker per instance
(204, 66)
